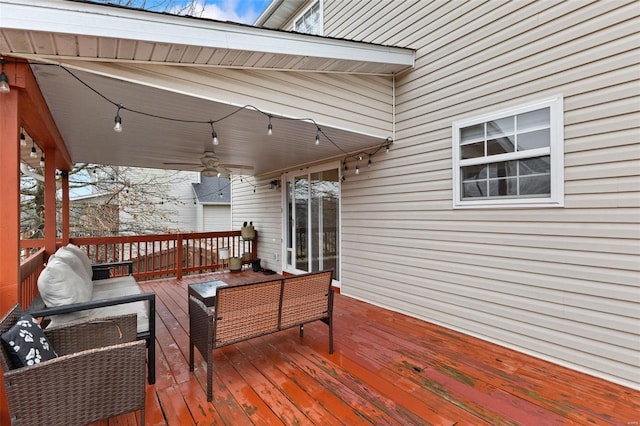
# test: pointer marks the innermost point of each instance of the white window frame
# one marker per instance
(555, 151)
(309, 7)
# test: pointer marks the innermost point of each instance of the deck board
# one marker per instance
(387, 369)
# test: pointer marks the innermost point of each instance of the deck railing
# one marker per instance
(153, 256)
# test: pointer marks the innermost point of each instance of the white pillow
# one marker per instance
(59, 284)
(82, 255)
(70, 256)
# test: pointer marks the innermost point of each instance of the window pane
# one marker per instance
(533, 140)
(472, 133)
(477, 189)
(540, 165)
(503, 169)
(500, 127)
(503, 187)
(472, 150)
(535, 185)
(500, 145)
(474, 172)
(537, 118)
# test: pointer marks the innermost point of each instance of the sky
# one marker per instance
(242, 11)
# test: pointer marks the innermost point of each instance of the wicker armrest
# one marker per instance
(79, 388)
(92, 333)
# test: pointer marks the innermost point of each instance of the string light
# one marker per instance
(23, 139)
(214, 135)
(360, 157)
(41, 158)
(33, 153)
(4, 80)
(118, 120)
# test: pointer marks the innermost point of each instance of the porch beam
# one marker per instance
(35, 116)
(9, 213)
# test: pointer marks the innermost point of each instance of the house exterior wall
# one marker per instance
(263, 208)
(560, 283)
(217, 217)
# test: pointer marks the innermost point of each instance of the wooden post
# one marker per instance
(179, 257)
(50, 231)
(65, 207)
(9, 214)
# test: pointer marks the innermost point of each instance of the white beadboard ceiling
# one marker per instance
(47, 32)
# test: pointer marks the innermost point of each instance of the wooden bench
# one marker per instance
(244, 311)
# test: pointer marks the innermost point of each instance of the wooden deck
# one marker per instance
(387, 369)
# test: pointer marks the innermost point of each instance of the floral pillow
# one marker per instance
(26, 343)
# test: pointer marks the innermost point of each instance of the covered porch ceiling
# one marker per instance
(89, 58)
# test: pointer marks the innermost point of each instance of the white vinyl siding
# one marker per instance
(561, 284)
(216, 217)
(253, 199)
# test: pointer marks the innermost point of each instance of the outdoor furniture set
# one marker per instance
(97, 326)
(221, 315)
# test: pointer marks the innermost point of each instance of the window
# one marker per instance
(310, 21)
(510, 158)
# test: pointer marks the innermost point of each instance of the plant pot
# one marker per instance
(235, 264)
(248, 232)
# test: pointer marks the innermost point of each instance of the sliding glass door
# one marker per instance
(313, 221)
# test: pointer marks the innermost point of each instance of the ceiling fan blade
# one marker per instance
(183, 164)
(236, 166)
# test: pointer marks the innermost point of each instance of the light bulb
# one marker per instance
(23, 139)
(369, 162)
(317, 139)
(33, 153)
(4, 83)
(357, 169)
(41, 159)
(270, 128)
(118, 126)
(215, 138)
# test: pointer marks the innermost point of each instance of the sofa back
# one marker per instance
(254, 309)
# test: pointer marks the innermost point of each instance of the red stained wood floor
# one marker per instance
(387, 369)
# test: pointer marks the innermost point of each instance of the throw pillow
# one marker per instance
(26, 343)
(82, 255)
(71, 257)
(60, 285)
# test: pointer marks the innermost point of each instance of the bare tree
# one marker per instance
(109, 201)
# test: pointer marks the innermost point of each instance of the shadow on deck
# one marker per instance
(387, 369)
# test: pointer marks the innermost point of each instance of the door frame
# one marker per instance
(290, 176)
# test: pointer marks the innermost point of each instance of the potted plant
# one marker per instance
(235, 264)
(247, 231)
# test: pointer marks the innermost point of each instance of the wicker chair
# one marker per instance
(100, 372)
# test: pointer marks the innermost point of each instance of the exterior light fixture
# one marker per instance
(4, 80)
(118, 121)
(33, 153)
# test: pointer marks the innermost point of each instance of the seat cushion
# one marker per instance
(107, 289)
(26, 343)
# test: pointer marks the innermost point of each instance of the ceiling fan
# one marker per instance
(211, 165)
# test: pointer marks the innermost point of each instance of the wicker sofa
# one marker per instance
(71, 288)
(99, 372)
(250, 310)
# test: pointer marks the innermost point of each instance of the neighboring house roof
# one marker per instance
(209, 189)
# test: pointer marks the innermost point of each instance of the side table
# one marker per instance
(206, 291)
